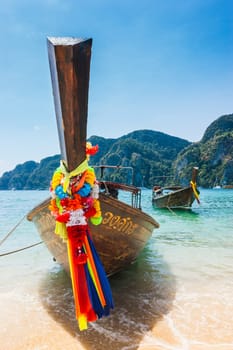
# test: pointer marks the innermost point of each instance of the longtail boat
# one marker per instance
(125, 228)
(176, 197)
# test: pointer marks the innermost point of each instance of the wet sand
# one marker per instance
(29, 326)
(39, 314)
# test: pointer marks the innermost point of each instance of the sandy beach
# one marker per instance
(39, 315)
(177, 296)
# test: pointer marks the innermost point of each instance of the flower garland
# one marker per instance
(74, 202)
(81, 194)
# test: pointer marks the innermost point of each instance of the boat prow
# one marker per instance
(125, 229)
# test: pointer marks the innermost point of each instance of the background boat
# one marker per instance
(176, 197)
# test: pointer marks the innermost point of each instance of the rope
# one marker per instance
(8, 235)
(12, 230)
(172, 211)
(19, 250)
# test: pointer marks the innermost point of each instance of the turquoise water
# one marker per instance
(178, 295)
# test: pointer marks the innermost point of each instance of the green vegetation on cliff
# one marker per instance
(213, 155)
(155, 157)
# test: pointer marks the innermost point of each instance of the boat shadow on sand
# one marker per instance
(142, 294)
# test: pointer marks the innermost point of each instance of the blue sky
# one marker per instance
(160, 65)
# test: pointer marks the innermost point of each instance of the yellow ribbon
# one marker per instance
(68, 175)
(194, 188)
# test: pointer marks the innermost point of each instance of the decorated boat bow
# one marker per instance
(74, 202)
(74, 187)
(76, 209)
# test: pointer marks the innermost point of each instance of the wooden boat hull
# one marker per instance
(179, 199)
(119, 239)
(125, 229)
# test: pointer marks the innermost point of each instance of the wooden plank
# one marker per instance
(194, 174)
(69, 60)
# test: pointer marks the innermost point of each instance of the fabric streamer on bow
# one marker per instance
(74, 202)
(195, 191)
